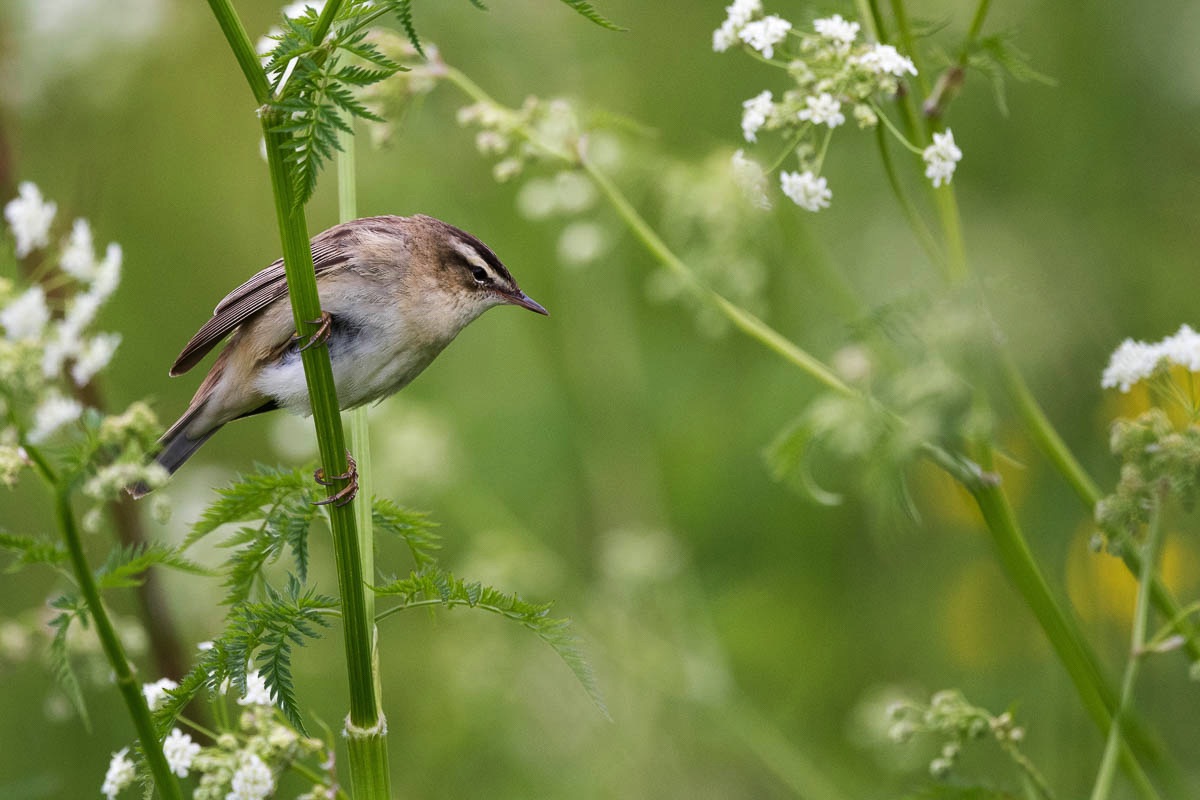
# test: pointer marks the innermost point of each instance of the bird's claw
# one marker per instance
(321, 334)
(347, 492)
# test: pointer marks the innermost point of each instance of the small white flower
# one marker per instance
(156, 693)
(1183, 348)
(865, 116)
(507, 169)
(763, 34)
(121, 773)
(252, 781)
(257, 693)
(742, 11)
(755, 113)
(94, 357)
(108, 272)
(582, 243)
(29, 217)
(51, 414)
(180, 751)
(26, 316)
(883, 59)
(806, 190)
(749, 175)
(78, 257)
(822, 110)
(724, 37)
(491, 143)
(1130, 363)
(941, 158)
(836, 29)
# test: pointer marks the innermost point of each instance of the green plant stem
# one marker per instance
(981, 12)
(360, 434)
(1064, 635)
(243, 50)
(110, 643)
(1141, 620)
(366, 729)
(743, 320)
(907, 42)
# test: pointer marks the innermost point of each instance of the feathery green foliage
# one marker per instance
(125, 565)
(314, 90)
(245, 498)
(32, 550)
(70, 608)
(434, 586)
(259, 636)
(281, 503)
(998, 57)
(953, 792)
(412, 527)
(589, 11)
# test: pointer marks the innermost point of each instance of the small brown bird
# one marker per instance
(394, 291)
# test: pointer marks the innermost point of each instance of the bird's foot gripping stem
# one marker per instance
(347, 492)
(321, 334)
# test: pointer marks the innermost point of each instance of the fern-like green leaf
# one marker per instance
(32, 550)
(243, 499)
(403, 11)
(125, 565)
(588, 11)
(433, 586)
(260, 635)
(414, 528)
(60, 659)
(999, 58)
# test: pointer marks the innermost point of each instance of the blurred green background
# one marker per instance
(610, 457)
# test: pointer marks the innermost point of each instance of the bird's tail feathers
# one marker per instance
(177, 447)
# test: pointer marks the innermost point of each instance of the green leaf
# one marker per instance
(413, 527)
(403, 11)
(125, 565)
(788, 458)
(433, 586)
(60, 658)
(243, 499)
(263, 634)
(999, 58)
(32, 550)
(589, 11)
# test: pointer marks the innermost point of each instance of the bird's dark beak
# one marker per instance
(519, 298)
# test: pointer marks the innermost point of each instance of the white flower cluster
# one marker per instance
(47, 350)
(835, 76)
(1134, 361)
(941, 158)
(35, 346)
(121, 772)
(538, 130)
(242, 763)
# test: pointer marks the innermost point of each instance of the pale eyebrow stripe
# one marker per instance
(473, 257)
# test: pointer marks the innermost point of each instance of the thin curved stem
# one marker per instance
(1141, 619)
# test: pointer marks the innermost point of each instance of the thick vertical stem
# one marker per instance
(366, 729)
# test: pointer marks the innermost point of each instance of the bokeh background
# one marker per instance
(610, 457)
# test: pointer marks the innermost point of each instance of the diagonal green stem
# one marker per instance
(1064, 635)
(114, 652)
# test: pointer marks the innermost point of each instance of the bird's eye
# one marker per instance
(480, 274)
